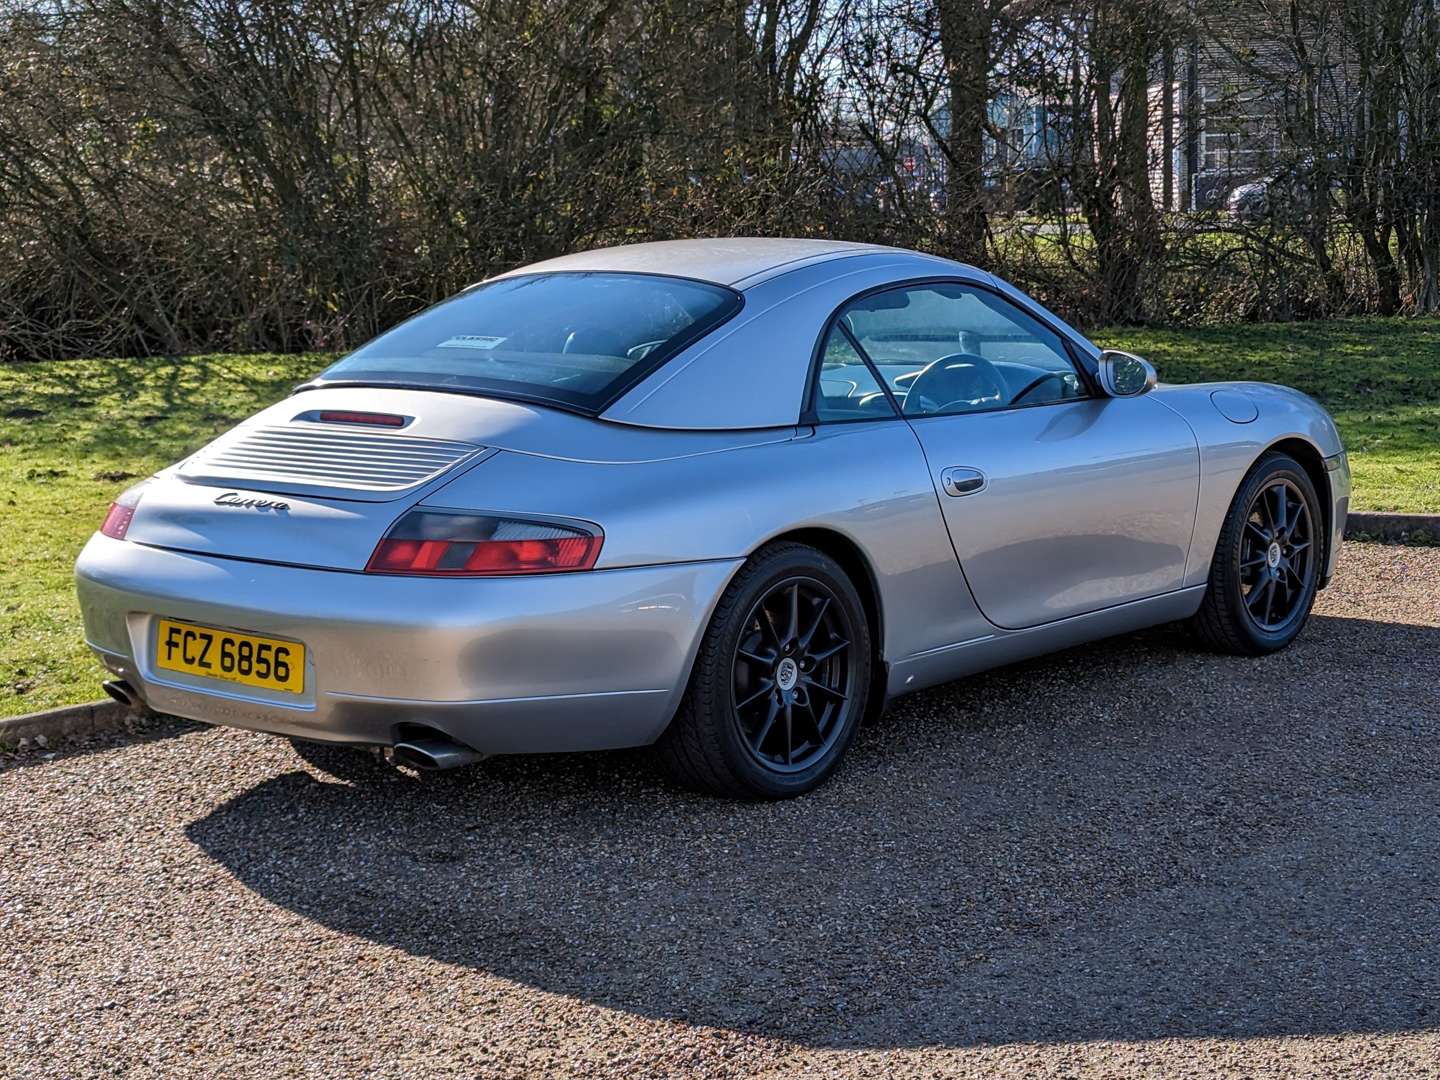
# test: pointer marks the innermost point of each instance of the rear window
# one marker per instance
(574, 339)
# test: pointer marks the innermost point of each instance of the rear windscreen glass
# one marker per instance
(577, 339)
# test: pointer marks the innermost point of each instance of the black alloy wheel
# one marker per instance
(780, 683)
(792, 675)
(1277, 555)
(1267, 563)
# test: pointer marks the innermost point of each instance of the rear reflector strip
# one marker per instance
(122, 510)
(117, 521)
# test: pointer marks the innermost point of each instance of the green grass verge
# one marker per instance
(74, 433)
(1380, 379)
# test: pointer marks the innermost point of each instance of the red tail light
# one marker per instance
(448, 544)
(117, 518)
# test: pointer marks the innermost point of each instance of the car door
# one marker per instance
(1058, 500)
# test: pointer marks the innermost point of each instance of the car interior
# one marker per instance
(569, 337)
(941, 349)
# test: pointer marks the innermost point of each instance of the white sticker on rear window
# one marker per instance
(470, 341)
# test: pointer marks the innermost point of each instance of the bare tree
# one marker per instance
(290, 174)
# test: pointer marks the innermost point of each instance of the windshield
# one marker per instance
(575, 339)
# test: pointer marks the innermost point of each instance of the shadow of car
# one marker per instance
(1193, 846)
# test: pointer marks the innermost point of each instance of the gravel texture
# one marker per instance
(1132, 859)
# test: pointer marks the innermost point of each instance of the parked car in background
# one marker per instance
(728, 497)
(1288, 194)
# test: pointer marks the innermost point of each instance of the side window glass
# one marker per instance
(846, 389)
(947, 348)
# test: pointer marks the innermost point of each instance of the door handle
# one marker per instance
(962, 481)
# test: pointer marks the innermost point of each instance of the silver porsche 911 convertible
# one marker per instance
(726, 497)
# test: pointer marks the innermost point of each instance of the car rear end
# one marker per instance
(305, 574)
(503, 664)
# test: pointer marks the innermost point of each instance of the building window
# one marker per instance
(1240, 133)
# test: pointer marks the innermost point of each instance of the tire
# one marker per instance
(719, 741)
(340, 760)
(1233, 617)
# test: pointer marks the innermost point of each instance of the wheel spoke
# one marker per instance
(794, 631)
(1282, 520)
(1269, 599)
(825, 654)
(828, 691)
(814, 718)
(766, 685)
(768, 623)
(789, 735)
(769, 723)
(820, 610)
(766, 660)
(1257, 593)
(1251, 564)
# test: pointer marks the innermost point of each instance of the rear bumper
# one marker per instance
(505, 665)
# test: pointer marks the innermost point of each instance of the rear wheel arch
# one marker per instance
(854, 562)
(708, 744)
(857, 567)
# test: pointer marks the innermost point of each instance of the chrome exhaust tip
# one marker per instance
(121, 691)
(434, 755)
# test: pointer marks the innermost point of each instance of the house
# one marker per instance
(1023, 134)
(1220, 109)
(1225, 105)
(1213, 126)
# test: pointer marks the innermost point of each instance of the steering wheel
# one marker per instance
(1041, 380)
(960, 379)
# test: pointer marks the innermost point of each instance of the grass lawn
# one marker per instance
(74, 433)
(1380, 379)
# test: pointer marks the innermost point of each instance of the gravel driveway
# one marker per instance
(1127, 860)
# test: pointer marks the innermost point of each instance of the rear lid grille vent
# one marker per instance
(281, 456)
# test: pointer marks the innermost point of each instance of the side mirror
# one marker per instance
(1124, 374)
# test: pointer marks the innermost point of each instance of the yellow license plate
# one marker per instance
(224, 654)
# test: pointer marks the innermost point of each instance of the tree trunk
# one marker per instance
(966, 29)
